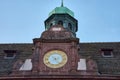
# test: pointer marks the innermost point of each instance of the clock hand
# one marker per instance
(57, 59)
(54, 58)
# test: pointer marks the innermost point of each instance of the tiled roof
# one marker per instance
(23, 52)
(106, 65)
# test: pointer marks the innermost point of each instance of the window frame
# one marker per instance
(13, 52)
(107, 50)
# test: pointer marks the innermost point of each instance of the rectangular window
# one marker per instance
(10, 54)
(107, 52)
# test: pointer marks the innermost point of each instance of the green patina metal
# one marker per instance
(61, 10)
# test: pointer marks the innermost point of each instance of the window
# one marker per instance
(10, 54)
(70, 26)
(107, 52)
(51, 24)
(60, 23)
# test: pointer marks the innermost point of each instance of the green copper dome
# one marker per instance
(61, 10)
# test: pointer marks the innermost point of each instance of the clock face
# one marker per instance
(55, 59)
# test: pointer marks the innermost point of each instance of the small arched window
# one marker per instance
(70, 26)
(51, 24)
(60, 22)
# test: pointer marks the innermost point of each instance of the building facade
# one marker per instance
(59, 55)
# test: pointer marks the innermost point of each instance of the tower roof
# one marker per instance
(62, 10)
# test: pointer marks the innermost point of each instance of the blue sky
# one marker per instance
(23, 20)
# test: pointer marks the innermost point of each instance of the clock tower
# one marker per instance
(56, 51)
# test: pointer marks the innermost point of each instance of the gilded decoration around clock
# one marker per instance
(55, 59)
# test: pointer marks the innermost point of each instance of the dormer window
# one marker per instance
(107, 52)
(10, 54)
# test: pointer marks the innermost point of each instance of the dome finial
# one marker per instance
(62, 3)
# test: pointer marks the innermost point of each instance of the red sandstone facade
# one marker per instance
(63, 38)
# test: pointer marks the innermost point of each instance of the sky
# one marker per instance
(23, 20)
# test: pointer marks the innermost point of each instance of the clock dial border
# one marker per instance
(52, 52)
